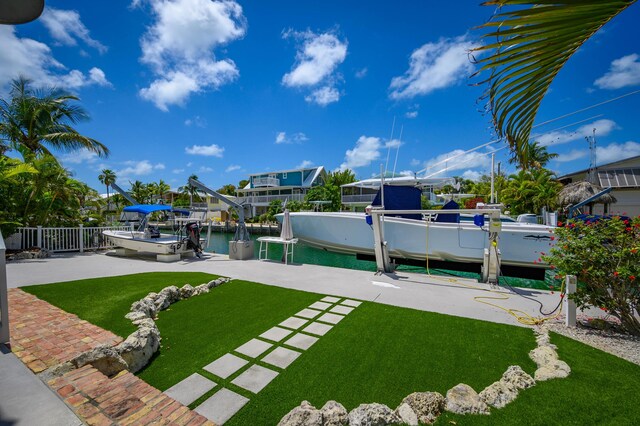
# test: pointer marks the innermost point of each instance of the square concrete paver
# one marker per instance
(308, 313)
(320, 306)
(330, 299)
(281, 357)
(226, 365)
(221, 406)
(276, 334)
(255, 378)
(293, 322)
(301, 341)
(190, 389)
(344, 310)
(331, 318)
(349, 302)
(317, 328)
(253, 348)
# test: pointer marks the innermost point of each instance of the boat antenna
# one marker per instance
(393, 126)
(397, 151)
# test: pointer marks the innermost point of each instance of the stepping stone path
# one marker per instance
(284, 343)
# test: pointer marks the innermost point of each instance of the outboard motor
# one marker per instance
(193, 237)
(154, 232)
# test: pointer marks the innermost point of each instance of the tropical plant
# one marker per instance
(33, 121)
(529, 191)
(339, 178)
(605, 257)
(243, 183)
(228, 189)
(530, 43)
(330, 193)
(107, 177)
(536, 156)
(189, 191)
(483, 186)
(140, 192)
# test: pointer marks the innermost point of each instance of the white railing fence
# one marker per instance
(62, 239)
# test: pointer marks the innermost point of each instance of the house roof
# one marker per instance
(606, 165)
(287, 171)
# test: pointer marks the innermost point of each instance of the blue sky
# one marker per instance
(224, 89)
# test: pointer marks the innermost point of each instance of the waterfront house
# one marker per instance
(623, 176)
(291, 185)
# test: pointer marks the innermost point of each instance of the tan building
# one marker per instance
(623, 176)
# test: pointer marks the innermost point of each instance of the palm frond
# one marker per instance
(533, 41)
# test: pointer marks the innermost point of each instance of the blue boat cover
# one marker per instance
(449, 217)
(147, 208)
(401, 198)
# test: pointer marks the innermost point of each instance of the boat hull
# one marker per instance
(166, 244)
(520, 244)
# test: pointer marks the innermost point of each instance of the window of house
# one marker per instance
(284, 175)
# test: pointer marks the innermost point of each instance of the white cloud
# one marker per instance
(434, 66)
(139, 168)
(195, 121)
(603, 128)
(323, 96)
(471, 175)
(623, 72)
(32, 59)
(66, 28)
(614, 152)
(179, 47)
(571, 155)
(317, 59)
(177, 171)
(282, 138)
(414, 162)
(232, 168)
(205, 169)
(212, 150)
(457, 159)
(362, 73)
(411, 114)
(81, 156)
(367, 149)
(393, 143)
(305, 164)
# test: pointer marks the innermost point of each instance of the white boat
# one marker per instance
(460, 243)
(148, 239)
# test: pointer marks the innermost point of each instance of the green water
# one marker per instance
(305, 254)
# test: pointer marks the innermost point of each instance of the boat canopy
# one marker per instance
(401, 181)
(151, 208)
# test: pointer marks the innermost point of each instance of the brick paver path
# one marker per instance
(43, 336)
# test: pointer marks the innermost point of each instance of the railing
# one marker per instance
(364, 198)
(64, 239)
(265, 181)
(258, 199)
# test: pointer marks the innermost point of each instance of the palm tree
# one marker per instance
(139, 191)
(189, 190)
(532, 43)
(107, 177)
(35, 120)
(536, 157)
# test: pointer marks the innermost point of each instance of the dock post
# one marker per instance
(38, 238)
(569, 305)
(81, 238)
(383, 263)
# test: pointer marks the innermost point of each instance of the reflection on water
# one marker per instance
(305, 254)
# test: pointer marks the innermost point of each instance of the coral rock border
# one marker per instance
(425, 407)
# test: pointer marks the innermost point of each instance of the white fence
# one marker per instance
(62, 239)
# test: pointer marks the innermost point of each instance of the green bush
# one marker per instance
(605, 256)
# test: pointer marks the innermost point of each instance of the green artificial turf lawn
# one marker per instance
(105, 301)
(378, 353)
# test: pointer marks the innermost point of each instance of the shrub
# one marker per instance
(605, 256)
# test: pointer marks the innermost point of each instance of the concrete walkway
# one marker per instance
(453, 296)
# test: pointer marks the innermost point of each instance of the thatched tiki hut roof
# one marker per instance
(577, 192)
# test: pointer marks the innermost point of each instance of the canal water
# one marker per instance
(306, 254)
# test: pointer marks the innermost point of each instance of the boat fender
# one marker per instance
(478, 220)
(367, 215)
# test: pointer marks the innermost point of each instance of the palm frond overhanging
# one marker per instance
(532, 42)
